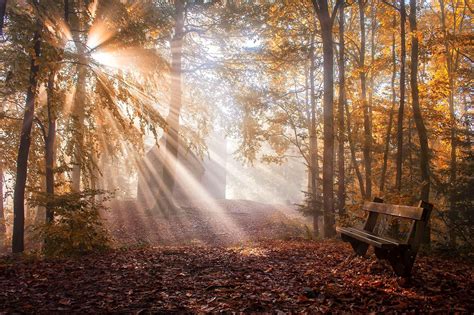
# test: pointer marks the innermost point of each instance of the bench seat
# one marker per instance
(369, 238)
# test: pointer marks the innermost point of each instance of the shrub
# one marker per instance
(77, 227)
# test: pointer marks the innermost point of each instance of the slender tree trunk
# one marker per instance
(453, 161)
(172, 133)
(24, 149)
(353, 154)
(313, 145)
(420, 126)
(3, 8)
(403, 17)
(363, 86)
(390, 119)
(2, 209)
(80, 97)
(410, 150)
(326, 22)
(341, 189)
(373, 28)
(49, 146)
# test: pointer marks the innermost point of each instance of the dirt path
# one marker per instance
(219, 222)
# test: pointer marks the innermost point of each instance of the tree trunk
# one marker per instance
(313, 145)
(420, 126)
(341, 189)
(453, 163)
(353, 154)
(403, 17)
(49, 146)
(325, 21)
(363, 86)
(172, 133)
(2, 210)
(3, 8)
(390, 119)
(24, 149)
(373, 27)
(80, 98)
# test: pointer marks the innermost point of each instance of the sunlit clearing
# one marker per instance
(198, 197)
(251, 251)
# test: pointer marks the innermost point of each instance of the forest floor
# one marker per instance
(289, 276)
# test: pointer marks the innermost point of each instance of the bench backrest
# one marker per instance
(414, 213)
(420, 216)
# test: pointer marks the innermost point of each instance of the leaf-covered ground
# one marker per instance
(288, 276)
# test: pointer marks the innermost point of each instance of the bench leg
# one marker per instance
(402, 262)
(381, 253)
(359, 247)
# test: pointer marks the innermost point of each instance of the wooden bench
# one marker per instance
(400, 254)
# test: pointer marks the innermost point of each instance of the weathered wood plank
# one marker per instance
(382, 238)
(409, 212)
(366, 238)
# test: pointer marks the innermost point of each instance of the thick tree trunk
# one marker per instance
(403, 17)
(24, 149)
(172, 133)
(341, 189)
(325, 21)
(363, 86)
(390, 119)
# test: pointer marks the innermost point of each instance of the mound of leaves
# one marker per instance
(288, 276)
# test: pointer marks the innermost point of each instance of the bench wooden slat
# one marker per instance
(367, 238)
(383, 238)
(415, 213)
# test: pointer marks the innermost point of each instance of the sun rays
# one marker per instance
(126, 97)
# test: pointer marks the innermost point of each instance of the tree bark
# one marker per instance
(313, 145)
(341, 189)
(80, 98)
(49, 146)
(390, 119)
(453, 160)
(417, 115)
(373, 28)
(24, 149)
(326, 23)
(353, 154)
(403, 17)
(3, 8)
(363, 86)
(2, 209)
(171, 135)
